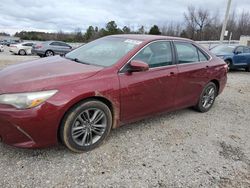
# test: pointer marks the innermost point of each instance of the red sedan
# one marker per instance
(79, 98)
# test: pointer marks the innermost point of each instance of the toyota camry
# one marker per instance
(79, 98)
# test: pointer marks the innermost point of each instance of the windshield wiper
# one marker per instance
(77, 60)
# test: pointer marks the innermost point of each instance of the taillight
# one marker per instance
(226, 67)
(38, 46)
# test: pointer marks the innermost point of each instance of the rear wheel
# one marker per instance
(86, 126)
(207, 97)
(49, 53)
(22, 52)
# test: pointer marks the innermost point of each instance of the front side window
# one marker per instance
(156, 54)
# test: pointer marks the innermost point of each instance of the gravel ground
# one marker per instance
(179, 149)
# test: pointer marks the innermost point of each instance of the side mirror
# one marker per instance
(138, 66)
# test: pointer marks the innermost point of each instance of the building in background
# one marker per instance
(245, 40)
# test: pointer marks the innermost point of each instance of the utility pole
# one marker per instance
(225, 21)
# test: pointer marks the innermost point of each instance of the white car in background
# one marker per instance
(23, 48)
(1, 48)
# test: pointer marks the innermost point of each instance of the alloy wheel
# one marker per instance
(89, 127)
(49, 53)
(208, 97)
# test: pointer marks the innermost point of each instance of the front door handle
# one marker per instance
(172, 73)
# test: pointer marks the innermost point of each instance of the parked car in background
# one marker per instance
(80, 97)
(4, 42)
(12, 42)
(1, 48)
(236, 56)
(51, 48)
(21, 48)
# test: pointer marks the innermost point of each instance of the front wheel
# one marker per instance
(207, 97)
(86, 126)
(22, 52)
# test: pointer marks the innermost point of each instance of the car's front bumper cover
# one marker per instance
(31, 128)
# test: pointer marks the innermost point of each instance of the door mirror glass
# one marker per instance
(138, 66)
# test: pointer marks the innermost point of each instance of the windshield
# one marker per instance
(223, 49)
(103, 52)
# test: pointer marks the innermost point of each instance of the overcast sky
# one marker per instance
(67, 15)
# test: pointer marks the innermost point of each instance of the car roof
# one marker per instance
(148, 37)
(53, 41)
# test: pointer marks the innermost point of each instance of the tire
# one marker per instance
(248, 68)
(206, 100)
(49, 53)
(229, 64)
(22, 52)
(77, 131)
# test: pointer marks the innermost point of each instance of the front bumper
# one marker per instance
(14, 50)
(31, 128)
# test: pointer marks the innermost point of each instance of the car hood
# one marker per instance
(41, 74)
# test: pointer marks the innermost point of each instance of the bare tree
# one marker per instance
(197, 20)
(244, 24)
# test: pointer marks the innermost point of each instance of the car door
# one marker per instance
(28, 47)
(145, 93)
(57, 47)
(239, 58)
(246, 51)
(193, 68)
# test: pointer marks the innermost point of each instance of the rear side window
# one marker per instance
(55, 44)
(27, 44)
(156, 54)
(188, 53)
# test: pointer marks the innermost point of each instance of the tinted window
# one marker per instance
(28, 44)
(239, 49)
(55, 43)
(156, 54)
(187, 53)
(63, 44)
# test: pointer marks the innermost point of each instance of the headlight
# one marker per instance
(26, 100)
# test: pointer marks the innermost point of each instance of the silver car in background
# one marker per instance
(50, 48)
(1, 48)
(21, 48)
